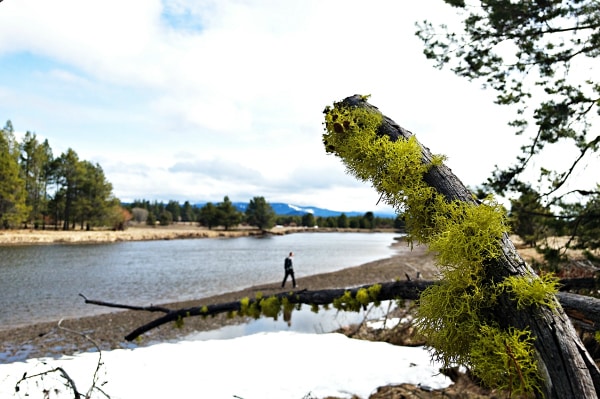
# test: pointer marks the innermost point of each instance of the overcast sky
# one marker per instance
(195, 100)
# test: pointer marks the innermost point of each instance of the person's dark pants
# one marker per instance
(289, 273)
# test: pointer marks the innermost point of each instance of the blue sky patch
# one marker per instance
(180, 17)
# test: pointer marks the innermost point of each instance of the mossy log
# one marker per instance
(565, 367)
(390, 290)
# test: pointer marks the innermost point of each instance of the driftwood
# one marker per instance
(583, 310)
(567, 368)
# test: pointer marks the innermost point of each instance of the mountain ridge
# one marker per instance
(288, 209)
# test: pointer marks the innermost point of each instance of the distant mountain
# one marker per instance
(281, 208)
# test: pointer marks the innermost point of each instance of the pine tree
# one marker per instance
(260, 214)
(13, 208)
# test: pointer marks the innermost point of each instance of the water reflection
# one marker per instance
(303, 320)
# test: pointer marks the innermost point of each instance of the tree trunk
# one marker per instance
(567, 368)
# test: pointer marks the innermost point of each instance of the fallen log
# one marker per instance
(583, 309)
(390, 290)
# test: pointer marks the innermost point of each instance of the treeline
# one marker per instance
(38, 189)
(259, 213)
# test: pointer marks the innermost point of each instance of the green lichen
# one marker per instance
(504, 356)
(457, 316)
(270, 306)
(363, 297)
(529, 291)
(179, 321)
(289, 306)
(467, 235)
(244, 305)
(347, 302)
(449, 316)
(250, 308)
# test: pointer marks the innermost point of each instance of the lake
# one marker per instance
(42, 282)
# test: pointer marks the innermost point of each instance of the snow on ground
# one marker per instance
(265, 365)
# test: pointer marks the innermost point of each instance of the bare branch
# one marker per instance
(410, 289)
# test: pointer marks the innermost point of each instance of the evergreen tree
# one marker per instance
(207, 215)
(13, 207)
(69, 176)
(94, 197)
(151, 219)
(187, 212)
(35, 163)
(308, 220)
(260, 214)
(174, 209)
(165, 218)
(342, 221)
(369, 220)
(540, 58)
(227, 215)
(528, 217)
(587, 224)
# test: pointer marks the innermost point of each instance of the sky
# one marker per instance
(197, 100)
(265, 365)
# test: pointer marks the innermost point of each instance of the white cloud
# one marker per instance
(239, 82)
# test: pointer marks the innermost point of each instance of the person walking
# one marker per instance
(288, 267)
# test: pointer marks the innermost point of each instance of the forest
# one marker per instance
(39, 189)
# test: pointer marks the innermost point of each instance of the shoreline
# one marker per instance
(107, 330)
(136, 233)
(18, 237)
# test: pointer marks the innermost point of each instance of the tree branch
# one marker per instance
(585, 309)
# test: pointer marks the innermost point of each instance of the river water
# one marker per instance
(42, 282)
